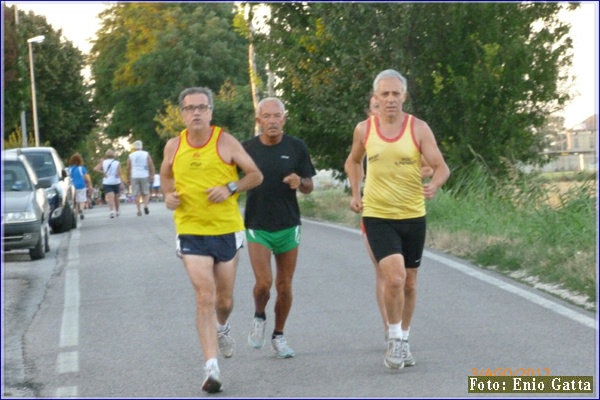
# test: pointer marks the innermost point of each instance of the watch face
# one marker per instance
(232, 187)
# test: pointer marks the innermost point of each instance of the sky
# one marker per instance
(79, 23)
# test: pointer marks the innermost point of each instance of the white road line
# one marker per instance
(532, 297)
(471, 271)
(68, 361)
(69, 330)
(66, 391)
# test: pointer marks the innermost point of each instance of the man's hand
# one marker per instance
(356, 205)
(218, 194)
(293, 181)
(172, 200)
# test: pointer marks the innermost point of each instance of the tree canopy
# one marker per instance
(482, 75)
(65, 113)
(147, 53)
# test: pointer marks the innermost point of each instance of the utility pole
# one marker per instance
(20, 63)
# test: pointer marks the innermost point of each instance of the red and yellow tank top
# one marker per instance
(393, 185)
(196, 169)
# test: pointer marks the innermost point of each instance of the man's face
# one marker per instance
(390, 95)
(195, 111)
(271, 119)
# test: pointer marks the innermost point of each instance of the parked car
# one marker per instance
(26, 210)
(53, 176)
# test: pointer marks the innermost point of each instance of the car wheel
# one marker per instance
(38, 252)
(67, 218)
(47, 238)
(73, 218)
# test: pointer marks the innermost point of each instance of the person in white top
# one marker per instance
(111, 168)
(140, 175)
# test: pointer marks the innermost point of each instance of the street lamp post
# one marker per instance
(37, 39)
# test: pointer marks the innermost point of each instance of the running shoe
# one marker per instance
(393, 356)
(226, 342)
(281, 348)
(256, 338)
(409, 360)
(212, 380)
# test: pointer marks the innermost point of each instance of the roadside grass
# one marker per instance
(530, 226)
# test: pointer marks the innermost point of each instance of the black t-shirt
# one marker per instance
(273, 206)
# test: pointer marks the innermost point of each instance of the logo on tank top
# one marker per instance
(404, 161)
(373, 158)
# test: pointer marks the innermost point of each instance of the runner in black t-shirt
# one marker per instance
(272, 218)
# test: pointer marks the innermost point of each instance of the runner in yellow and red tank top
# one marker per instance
(393, 207)
(200, 183)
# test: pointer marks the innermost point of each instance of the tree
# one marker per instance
(483, 75)
(146, 53)
(65, 113)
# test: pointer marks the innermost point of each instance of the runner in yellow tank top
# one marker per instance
(200, 183)
(393, 210)
(426, 172)
(196, 169)
(396, 159)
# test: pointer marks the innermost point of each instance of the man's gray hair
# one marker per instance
(389, 73)
(273, 99)
(196, 90)
(138, 145)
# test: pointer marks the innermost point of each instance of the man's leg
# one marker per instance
(410, 301)
(394, 272)
(379, 287)
(410, 297)
(200, 270)
(225, 273)
(395, 278)
(146, 195)
(286, 266)
(260, 258)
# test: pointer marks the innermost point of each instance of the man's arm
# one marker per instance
(353, 165)
(167, 181)
(426, 170)
(432, 156)
(150, 169)
(252, 175)
(128, 170)
(231, 149)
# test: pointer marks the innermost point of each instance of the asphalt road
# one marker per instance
(110, 313)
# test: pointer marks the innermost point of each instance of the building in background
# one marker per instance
(575, 148)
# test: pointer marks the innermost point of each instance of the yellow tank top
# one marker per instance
(393, 186)
(196, 169)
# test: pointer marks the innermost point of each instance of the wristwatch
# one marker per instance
(232, 186)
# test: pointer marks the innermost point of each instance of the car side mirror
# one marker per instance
(64, 173)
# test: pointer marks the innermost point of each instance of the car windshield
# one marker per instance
(15, 177)
(42, 164)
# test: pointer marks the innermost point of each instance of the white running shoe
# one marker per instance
(226, 342)
(282, 350)
(409, 360)
(212, 381)
(256, 338)
(393, 356)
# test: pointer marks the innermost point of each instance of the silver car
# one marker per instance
(25, 208)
